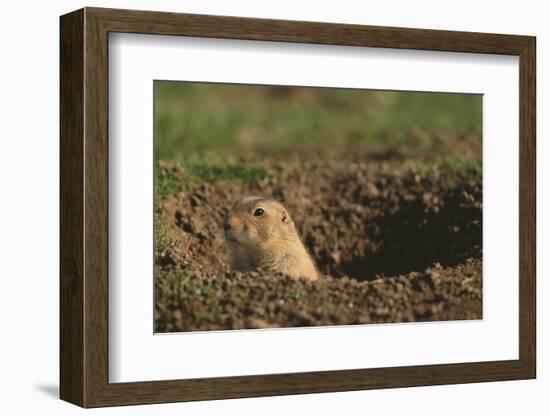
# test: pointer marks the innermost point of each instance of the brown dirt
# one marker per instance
(394, 245)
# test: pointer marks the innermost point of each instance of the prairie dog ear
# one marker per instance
(285, 218)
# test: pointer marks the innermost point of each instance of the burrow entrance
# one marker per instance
(409, 235)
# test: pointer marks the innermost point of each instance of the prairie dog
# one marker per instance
(260, 234)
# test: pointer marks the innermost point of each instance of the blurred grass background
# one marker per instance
(201, 121)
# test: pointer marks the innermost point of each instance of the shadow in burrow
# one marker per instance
(413, 238)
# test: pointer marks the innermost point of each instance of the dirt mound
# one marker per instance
(395, 245)
(255, 300)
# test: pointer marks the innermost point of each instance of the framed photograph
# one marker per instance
(255, 207)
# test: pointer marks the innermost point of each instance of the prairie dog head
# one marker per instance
(260, 234)
(256, 223)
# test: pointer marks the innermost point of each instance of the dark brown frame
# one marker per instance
(84, 209)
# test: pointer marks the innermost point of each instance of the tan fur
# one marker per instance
(269, 241)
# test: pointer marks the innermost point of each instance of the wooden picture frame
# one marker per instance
(84, 207)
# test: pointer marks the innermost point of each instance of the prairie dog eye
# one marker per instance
(258, 212)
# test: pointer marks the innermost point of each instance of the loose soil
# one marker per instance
(393, 244)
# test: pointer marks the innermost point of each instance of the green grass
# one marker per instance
(460, 164)
(170, 181)
(167, 182)
(163, 243)
(455, 168)
(226, 171)
(181, 286)
(197, 120)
